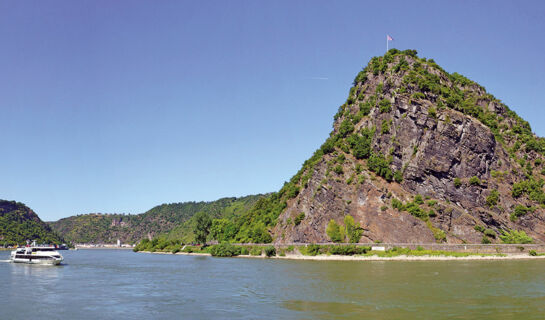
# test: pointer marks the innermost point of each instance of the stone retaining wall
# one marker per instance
(474, 248)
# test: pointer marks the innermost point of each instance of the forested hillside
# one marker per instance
(162, 219)
(18, 223)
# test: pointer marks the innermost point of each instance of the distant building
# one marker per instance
(118, 243)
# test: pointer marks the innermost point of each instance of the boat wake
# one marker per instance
(5, 260)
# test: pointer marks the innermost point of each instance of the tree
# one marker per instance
(333, 230)
(218, 228)
(353, 231)
(202, 227)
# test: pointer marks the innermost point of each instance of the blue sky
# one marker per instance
(118, 106)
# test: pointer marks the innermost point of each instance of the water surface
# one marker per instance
(119, 284)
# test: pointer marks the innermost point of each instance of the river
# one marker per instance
(120, 284)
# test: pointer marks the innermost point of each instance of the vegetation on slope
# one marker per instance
(18, 223)
(172, 221)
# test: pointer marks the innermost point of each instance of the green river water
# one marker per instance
(120, 284)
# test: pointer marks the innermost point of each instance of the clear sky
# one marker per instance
(118, 106)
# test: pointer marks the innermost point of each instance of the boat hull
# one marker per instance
(38, 261)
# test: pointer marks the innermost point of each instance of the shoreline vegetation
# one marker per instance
(336, 253)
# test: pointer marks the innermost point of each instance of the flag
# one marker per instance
(388, 38)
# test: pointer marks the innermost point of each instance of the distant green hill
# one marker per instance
(171, 220)
(18, 223)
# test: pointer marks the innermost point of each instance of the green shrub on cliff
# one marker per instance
(299, 218)
(385, 105)
(520, 210)
(361, 143)
(474, 181)
(493, 198)
(457, 182)
(380, 165)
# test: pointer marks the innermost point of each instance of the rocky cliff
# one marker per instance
(419, 155)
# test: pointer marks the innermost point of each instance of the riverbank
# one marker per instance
(375, 257)
(103, 248)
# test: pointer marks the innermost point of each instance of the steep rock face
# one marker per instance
(438, 137)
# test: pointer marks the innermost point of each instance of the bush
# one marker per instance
(385, 105)
(256, 251)
(328, 146)
(333, 231)
(474, 181)
(531, 187)
(418, 95)
(346, 128)
(244, 251)
(353, 231)
(188, 249)
(457, 182)
(490, 233)
(176, 249)
(418, 199)
(224, 250)
(485, 240)
(521, 210)
(479, 228)
(397, 204)
(514, 236)
(348, 250)
(338, 169)
(361, 144)
(398, 176)
(533, 253)
(299, 218)
(385, 128)
(493, 198)
(415, 210)
(380, 165)
(360, 78)
(432, 112)
(311, 250)
(270, 251)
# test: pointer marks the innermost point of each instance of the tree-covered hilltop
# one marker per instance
(416, 154)
(168, 220)
(18, 223)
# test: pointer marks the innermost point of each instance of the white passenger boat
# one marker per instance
(35, 254)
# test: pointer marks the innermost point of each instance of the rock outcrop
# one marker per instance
(418, 155)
